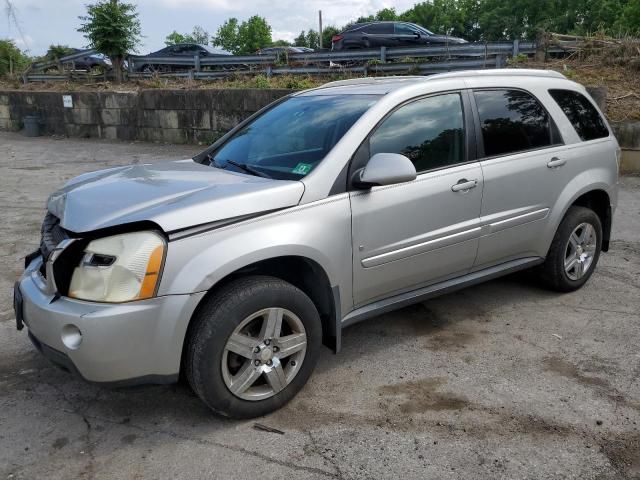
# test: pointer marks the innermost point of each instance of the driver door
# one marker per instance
(409, 235)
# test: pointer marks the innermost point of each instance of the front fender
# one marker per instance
(319, 231)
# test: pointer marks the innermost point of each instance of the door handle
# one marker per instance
(556, 163)
(464, 185)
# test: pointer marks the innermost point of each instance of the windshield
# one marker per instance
(289, 140)
(422, 29)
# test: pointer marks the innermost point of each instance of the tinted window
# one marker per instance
(512, 121)
(289, 140)
(430, 132)
(581, 113)
(379, 28)
(404, 29)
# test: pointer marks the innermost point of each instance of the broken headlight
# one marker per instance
(119, 268)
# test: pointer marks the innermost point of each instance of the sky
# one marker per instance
(43, 22)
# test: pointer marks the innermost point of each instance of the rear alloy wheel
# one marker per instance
(252, 346)
(580, 251)
(574, 251)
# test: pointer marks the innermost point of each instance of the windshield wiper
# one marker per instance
(241, 166)
(248, 169)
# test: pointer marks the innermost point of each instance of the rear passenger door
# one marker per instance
(412, 234)
(525, 168)
(378, 35)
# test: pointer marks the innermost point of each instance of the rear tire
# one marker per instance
(574, 252)
(238, 356)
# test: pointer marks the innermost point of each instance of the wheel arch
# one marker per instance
(302, 272)
(585, 192)
(599, 201)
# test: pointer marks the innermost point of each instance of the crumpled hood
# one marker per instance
(174, 195)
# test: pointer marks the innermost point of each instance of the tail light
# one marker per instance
(336, 38)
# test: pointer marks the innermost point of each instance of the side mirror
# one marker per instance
(385, 169)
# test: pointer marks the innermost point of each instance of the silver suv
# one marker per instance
(326, 208)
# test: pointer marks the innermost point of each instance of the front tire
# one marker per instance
(574, 252)
(253, 346)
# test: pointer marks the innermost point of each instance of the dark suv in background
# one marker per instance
(388, 34)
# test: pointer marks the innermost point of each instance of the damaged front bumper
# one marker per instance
(116, 344)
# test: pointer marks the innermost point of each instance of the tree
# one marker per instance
(313, 39)
(198, 35)
(227, 36)
(247, 37)
(58, 51)
(280, 43)
(327, 34)
(12, 59)
(112, 28)
(629, 21)
(174, 38)
(254, 34)
(386, 14)
(301, 40)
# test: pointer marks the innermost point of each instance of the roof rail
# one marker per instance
(373, 80)
(500, 72)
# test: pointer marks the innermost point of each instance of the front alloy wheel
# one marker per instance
(252, 345)
(264, 354)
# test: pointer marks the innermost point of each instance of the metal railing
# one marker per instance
(424, 60)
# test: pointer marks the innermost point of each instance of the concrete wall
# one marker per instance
(171, 116)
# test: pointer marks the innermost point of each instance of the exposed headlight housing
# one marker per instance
(120, 268)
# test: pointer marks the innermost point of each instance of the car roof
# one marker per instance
(384, 85)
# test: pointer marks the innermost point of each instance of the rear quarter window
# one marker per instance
(584, 117)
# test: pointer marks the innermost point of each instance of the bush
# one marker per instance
(12, 59)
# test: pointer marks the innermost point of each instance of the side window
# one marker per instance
(430, 132)
(379, 28)
(513, 121)
(581, 113)
(404, 29)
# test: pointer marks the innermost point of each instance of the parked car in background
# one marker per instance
(178, 50)
(89, 62)
(388, 34)
(328, 207)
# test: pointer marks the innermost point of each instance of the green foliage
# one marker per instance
(499, 19)
(328, 33)
(387, 14)
(198, 35)
(112, 28)
(58, 51)
(281, 43)
(309, 39)
(228, 36)
(243, 38)
(12, 59)
(260, 81)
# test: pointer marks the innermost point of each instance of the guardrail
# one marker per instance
(62, 60)
(365, 61)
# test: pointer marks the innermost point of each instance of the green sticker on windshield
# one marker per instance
(302, 169)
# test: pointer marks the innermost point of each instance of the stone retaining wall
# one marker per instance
(171, 116)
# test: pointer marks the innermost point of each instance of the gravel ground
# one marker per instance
(502, 380)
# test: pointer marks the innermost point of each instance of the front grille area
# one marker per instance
(52, 235)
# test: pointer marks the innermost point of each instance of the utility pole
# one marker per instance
(320, 28)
